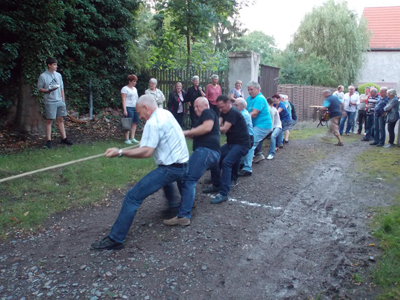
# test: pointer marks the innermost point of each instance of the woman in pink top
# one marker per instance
(213, 90)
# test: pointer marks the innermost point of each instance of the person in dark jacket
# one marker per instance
(380, 119)
(294, 115)
(193, 93)
(392, 112)
(175, 103)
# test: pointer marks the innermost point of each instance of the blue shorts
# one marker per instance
(132, 114)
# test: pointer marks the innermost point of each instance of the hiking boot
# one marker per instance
(245, 173)
(258, 158)
(49, 144)
(66, 142)
(177, 221)
(211, 189)
(270, 156)
(107, 243)
(219, 199)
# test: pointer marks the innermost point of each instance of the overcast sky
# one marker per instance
(281, 18)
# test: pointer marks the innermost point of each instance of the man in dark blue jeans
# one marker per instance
(206, 146)
(380, 120)
(370, 109)
(163, 139)
(234, 126)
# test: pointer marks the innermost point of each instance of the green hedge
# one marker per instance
(361, 88)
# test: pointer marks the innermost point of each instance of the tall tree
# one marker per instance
(259, 42)
(332, 33)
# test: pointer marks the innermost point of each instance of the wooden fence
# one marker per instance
(303, 96)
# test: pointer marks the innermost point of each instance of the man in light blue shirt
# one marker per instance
(258, 108)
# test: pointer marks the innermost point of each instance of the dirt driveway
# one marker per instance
(297, 229)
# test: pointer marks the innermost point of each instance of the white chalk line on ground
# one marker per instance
(252, 203)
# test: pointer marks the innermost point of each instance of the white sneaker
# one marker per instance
(258, 158)
(270, 156)
(134, 140)
(128, 142)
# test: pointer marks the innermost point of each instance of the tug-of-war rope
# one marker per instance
(57, 166)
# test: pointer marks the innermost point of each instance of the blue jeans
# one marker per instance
(274, 138)
(163, 176)
(229, 163)
(259, 135)
(286, 125)
(200, 161)
(380, 132)
(369, 127)
(350, 120)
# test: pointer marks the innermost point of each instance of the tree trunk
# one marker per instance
(188, 51)
(28, 118)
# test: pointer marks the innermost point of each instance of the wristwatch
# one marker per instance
(120, 153)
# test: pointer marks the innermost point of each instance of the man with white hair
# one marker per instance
(392, 111)
(380, 119)
(370, 106)
(163, 139)
(213, 90)
(206, 154)
(194, 92)
(258, 108)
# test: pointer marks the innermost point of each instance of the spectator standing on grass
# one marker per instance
(392, 111)
(175, 103)
(50, 83)
(234, 126)
(334, 105)
(289, 109)
(380, 119)
(339, 93)
(284, 116)
(194, 92)
(155, 93)
(213, 90)
(350, 102)
(258, 108)
(206, 154)
(370, 112)
(163, 139)
(237, 91)
(362, 114)
(129, 97)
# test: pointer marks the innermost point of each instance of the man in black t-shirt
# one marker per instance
(206, 155)
(192, 94)
(234, 126)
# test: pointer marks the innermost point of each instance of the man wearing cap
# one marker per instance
(335, 107)
(163, 139)
(194, 92)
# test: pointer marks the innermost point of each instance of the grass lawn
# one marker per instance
(385, 164)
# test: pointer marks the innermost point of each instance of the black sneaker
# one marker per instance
(373, 143)
(211, 189)
(244, 173)
(66, 142)
(280, 146)
(48, 144)
(107, 243)
(285, 142)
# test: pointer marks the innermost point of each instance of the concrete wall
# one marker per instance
(244, 66)
(381, 67)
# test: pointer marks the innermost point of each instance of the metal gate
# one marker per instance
(268, 80)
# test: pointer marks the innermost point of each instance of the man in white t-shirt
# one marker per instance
(163, 139)
(350, 102)
(339, 93)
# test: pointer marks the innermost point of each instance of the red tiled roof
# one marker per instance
(384, 23)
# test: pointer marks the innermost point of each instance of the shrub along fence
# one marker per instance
(304, 96)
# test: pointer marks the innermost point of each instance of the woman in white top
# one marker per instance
(277, 129)
(129, 97)
(155, 92)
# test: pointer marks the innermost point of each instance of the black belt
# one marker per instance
(175, 165)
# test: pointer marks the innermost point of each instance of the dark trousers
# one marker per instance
(215, 108)
(179, 118)
(391, 126)
(229, 163)
(380, 132)
(193, 116)
(362, 120)
(369, 129)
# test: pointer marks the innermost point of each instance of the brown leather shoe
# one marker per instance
(177, 221)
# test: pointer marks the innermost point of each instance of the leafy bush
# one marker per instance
(361, 88)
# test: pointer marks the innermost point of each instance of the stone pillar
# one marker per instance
(244, 66)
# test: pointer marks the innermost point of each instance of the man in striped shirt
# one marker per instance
(163, 139)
